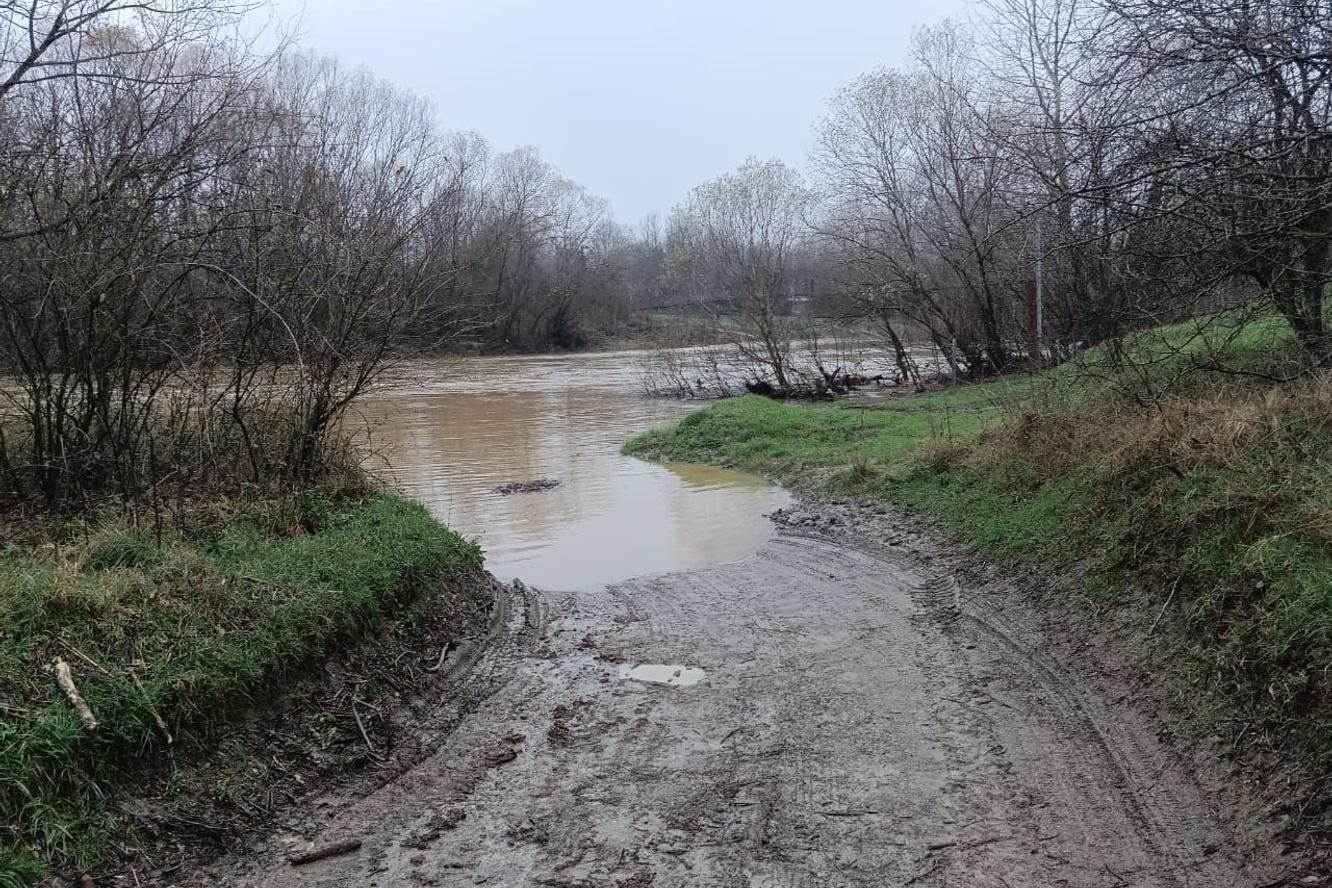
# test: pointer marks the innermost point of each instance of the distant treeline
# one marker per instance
(210, 250)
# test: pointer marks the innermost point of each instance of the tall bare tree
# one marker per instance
(920, 200)
(735, 239)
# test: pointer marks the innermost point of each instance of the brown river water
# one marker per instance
(457, 429)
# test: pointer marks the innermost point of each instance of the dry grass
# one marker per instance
(1222, 494)
(943, 454)
(1127, 444)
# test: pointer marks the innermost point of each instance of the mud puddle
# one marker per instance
(662, 674)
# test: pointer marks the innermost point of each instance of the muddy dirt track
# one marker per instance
(865, 718)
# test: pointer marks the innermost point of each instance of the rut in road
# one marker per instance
(864, 720)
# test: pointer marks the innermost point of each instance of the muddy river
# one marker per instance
(458, 429)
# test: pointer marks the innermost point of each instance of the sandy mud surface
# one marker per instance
(847, 708)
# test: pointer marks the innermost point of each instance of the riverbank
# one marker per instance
(1202, 514)
(244, 650)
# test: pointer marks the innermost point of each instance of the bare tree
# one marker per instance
(1234, 128)
(920, 200)
(209, 253)
(735, 240)
(107, 163)
(1066, 101)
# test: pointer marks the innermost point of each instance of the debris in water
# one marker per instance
(534, 486)
(667, 674)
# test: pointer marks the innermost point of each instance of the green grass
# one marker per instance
(208, 621)
(1209, 489)
(875, 454)
(1237, 340)
(788, 440)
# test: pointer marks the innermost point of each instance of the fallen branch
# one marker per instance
(97, 667)
(534, 486)
(980, 843)
(361, 727)
(65, 679)
(346, 846)
(439, 664)
(1169, 598)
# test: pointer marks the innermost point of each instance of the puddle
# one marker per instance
(457, 434)
(666, 674)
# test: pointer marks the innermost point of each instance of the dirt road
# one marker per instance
(863, 718)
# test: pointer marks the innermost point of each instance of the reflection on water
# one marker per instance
(457, 429)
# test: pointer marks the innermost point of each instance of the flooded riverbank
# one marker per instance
(453, 431)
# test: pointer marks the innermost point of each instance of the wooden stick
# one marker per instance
(65, 679)
(439, 664)
(85, 658)
(361, 726)
(346, 846)
(1169, 598)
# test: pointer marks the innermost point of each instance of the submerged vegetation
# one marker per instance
(1194, 464)
(167, 638)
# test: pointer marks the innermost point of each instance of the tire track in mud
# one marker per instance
(405, 806)
(1117, 754)
(1099, 763)
(1096, 773)
(866, 719)
(981, 835)
(1107, 759)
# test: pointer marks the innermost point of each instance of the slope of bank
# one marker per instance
(1198, 500)
(187, 649)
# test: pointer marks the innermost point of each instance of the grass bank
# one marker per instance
(1187, 469)
(168, 639)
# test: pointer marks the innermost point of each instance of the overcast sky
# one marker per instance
(638, 100)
